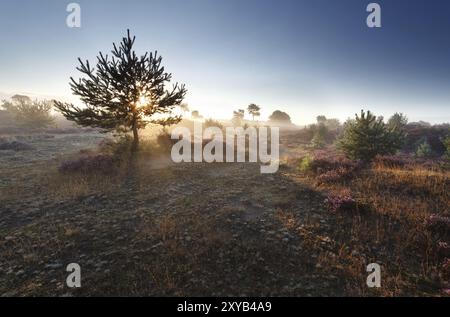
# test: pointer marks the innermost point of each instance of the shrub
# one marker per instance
(367, 136)
(329, 177)
(340, 201)
(319, 138)
(329, 168)
(337, 175)
(407, 162)
(88, 164)
(323, 161)
(446, 143)
(438, 224)
(424, 149)
(15, 146)
(435, 136)
(305, 163)
(392, 161)
(323, 132)
(213, 123)
(319, 133)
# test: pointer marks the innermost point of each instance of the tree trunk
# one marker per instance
(135, 138)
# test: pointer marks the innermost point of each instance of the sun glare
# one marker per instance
(142, 100)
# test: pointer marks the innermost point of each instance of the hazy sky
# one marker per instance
(303, 57)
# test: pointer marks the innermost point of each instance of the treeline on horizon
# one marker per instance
(22, 114)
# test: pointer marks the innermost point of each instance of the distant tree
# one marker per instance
(319, 139)
(124, 93)
(253, 110)
(280, 117)
(366, 136)
(196, 115)
(434, 135)
(213, 124)
(238, 117)
(333, 124)
(184, 107)
(21, 99)
(420, 124)
(318, 132)
(321, 119)
(398, 121)
(30, 114)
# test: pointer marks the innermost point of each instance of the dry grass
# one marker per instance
(388, 228)
(191, 229)
(80, 185)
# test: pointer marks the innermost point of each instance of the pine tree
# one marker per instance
(367, 136)
(238, 117)
(398, 120)
(124, 93)
(319, 139)
(424, 149)
(253, 110)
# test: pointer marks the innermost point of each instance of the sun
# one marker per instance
(143, 100)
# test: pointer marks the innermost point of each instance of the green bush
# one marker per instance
(305, 163)
(319, 139)
(446, 142)
(367, 136)
(424, 149)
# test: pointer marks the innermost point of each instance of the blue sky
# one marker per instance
(303, 57)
